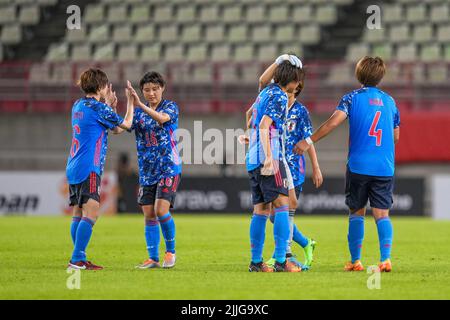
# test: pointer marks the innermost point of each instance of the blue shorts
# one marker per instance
(266, 189)
(361, 188)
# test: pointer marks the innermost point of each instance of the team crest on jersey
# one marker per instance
(291, 125)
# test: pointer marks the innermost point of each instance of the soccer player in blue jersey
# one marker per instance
(267, 169)
(155, 124)
(91, 120)
(374, 130)
(298, 127)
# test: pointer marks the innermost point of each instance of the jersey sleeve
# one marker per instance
(274, 107)
(306, 124)
(171, 110)
(345, 104)
(107, 117)
(396, 118)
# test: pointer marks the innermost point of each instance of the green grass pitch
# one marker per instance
(213, 255)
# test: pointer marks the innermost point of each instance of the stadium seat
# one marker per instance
(144, 33)
(416, 12)
(113, 72)
(431, 53)
(8, 14)
(104, 52)
(237, 33)
(127, 52)
(99, 33)
(76, 35)
(340, 74)
(191, 33)
(220, 52)
(309, 34)
(122, 33)
(399, 33)
(302, 14)
(437, 74)
(243, 53)
(406, 53)
(94, 13)
(168, 33)
(29, 15)
(278, 13)
(58, 52)
(11, 34)
(326, 15)
(285, 33)
(255, 14)
(232, 14)
(392, 13)
(174, 53)
(133, 71)
(357, 51)
(443, 33)
(186, 14)
(294, 48)
(447, 53)
(383, 50)
(440, 13)
(117, 14)
(250, 74)
(81, 52)
(422, 33)
(202, 74)
(261, 33)
(228, 74)
(151, 52)
(214, 33)
(197, 53)
(267, 52)
(374, 35)
(209, 14)
(40, 73)
(163, 14)
(140, 14)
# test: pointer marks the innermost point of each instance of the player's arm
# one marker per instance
(248, 117)
(316, 172)
(160, 117)
(264, 127)
(396, 135)
(128, 120)
(113, 117)
(328, 126)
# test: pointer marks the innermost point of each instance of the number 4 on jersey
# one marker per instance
(376, 133)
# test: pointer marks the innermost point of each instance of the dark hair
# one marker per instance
(286, 73)
(301, 84)
(152, 77)
(92, 80)
(369, 71)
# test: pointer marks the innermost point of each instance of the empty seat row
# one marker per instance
(404, 52)
(137, 13)
(307, 34)
(417, 11)
(418, 33)
(25, 15)
(168, 53)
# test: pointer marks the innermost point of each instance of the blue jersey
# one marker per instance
(91, 120)
(373, 116)
(298, 127)
(156, 144)
(271, 102)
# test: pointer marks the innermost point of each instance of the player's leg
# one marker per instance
(356, 191)
(77, 214)
(380, 195)
(146, 200)
(308, 244)
(88, 197)
(261, 211)
(165, 199)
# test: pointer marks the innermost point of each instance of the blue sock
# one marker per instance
(168, 231)
(281, 233)
(73, 228)
(355, 236)
(257, 236)
(385, 234)
(84, 232)
(152, 238)
(299, 237)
